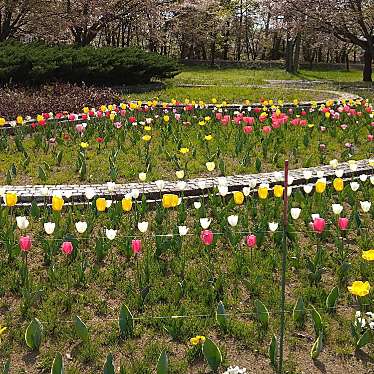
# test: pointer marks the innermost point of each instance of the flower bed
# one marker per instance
(182, 143)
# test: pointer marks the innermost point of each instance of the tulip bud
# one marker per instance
(25, 243)
(251, 241)
(206, 237)
(67, 248)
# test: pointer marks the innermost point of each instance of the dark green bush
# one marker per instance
(39, 63)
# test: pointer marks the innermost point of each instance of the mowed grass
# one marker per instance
(238, 84)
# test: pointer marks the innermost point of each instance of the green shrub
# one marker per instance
(38, 63)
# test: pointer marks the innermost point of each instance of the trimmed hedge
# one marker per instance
(36, 63)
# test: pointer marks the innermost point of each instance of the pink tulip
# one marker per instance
(249, 120)
(136, 246)
(247, 129)
(319, 225)
(177, 116)
(25, 243)
(67, 248)
(266, 129)
(206, 237)
(219, 116)
(343, 223)
(79, 128)
(251, 241)
(370, 137)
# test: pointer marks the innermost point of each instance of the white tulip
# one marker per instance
(143, 226)
(201, 184)
(68, 193)
(363, 177)
(232, 220)
(142, 177)
(334, 163)
(205, 222)
(315, 216)
(183, 230)
(222, 181)
(320, 174)
(160, 184)
(179, 201)
(372, 179)
(273, 226)
(49, 227)
(108, 203)
(278, 176)
(110, 234)
(22, 222)
(308, 188)
(295, 213)
(339, 173)
(307, 174)
(197, 204)
(337, 208)
(179, 174)
(2, 191)
(181, 185)
(44, 191)
(135, 193)
(352, 165)
(210, 166)
(365, 206)
(223, 190)
(111, 186)
(354, 186)
(81, 227)
(89, 193)
(252, 183)
(289, 191)
(246, 191)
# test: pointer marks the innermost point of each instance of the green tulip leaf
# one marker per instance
(58, 364)
(317, 347)
(81, 329)
(212, 354)
(34, 334)
(221, 316)
(273, 348)
(126, 322)
(108, 366)
(299, 311)
(317, 320)
(332, 299)
(364, 339)
(262, 313)
(163, 363)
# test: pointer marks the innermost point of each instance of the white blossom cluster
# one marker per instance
(235, 370)
(365, 320)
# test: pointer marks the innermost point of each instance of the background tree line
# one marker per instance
(309, 31)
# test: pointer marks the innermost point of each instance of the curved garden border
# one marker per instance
(193, 188)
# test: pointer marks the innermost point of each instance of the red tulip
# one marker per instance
(99, 139)
(136, 246)
(25, 243)
(67, 248)
(251, 241)
(206, 237)
(343, 223)
(319, 225)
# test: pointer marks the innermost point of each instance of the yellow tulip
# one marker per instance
(278, 190)
(57, 203)
(170, 200)
(147, 128)
(84, 145)
(179, 174)
(112, 116)
(101, 204)
(368, 255)
(126, 205)
(11, 199)
(166, 119)
(359, 288)
(210, 166)
(238, 197)
(2, 121)
(320, 186)
(86, 109)
(19, 120)
(338, 184)
(263, 192)
(147, 138)
(184, 150)
(208, 137)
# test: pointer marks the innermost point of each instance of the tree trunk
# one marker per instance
(289, 55)
(368, 69)
(296, 57)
